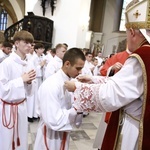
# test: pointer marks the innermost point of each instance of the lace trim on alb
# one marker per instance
(87, 98)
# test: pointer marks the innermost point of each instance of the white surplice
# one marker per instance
(100, 60)
(14, 90)
(56, 112)
(2, 55)
(30, 99)
(39, 79)
(123, 90)
(100, 133)
(49, 57)
(53, 66)
(86, 70)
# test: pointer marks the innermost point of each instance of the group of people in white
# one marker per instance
(63, 96)
(32, 87)
(46, 95)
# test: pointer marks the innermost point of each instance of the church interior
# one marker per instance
(79, 24)
(82, 24)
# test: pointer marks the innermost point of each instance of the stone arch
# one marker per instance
(13, 11)
(1, 37)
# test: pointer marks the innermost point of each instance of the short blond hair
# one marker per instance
(58, 46)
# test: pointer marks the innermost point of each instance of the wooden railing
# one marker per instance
(40, 27)
(10, 31)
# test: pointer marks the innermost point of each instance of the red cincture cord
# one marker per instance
(62, 143)
(12, 120)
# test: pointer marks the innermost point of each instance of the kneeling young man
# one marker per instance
(55, 105)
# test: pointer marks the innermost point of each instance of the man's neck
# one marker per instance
(22, 56)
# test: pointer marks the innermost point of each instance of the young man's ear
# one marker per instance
(16, 43)
(67, 63)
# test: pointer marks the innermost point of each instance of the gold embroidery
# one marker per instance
(134, 118)
(140, 24)
(140, 140)
(118, 147)
(136, 14)
(118, 139)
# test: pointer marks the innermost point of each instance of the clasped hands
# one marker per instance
(29, 76)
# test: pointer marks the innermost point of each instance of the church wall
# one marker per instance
(111, 38)
(9, 21)
(17, 9)
(83, 36)
(68, 17)
(71, 22)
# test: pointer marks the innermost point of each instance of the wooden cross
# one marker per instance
(137, 14)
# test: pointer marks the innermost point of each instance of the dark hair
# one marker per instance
(53, 50)
(84, 50)
(65, 44)
(7, 44)
(93, 59)
(23, 35)
(72, 55)
(38, 45)
(87, 53)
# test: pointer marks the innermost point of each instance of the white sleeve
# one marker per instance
(50, 69)
(53, 115)
(78, 120)
(119, 90)
(30, 88)
(11, 90)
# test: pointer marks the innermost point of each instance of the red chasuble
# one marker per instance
(112, 132)
(119, 57)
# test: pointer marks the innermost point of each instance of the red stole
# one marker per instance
(111, 135)
(111, 132)
(144, 135)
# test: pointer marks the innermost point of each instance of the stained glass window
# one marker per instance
(3, 19)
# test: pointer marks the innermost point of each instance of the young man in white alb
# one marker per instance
(57, 116)
(16, 80)
(5, 50)
(56, 63)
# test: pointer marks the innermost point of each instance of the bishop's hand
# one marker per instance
(70, 86)
(84, 78)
